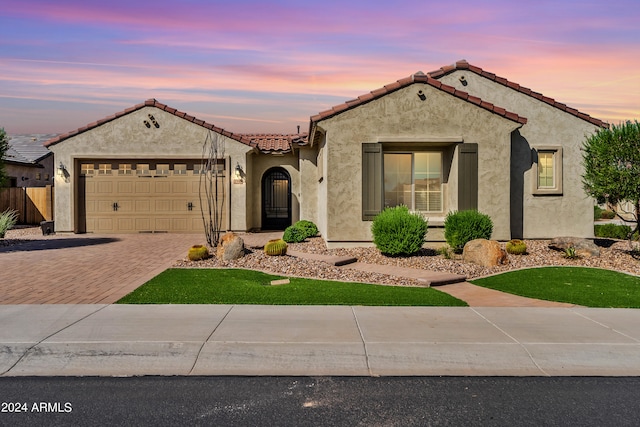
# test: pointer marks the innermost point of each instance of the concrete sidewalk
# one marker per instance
(125, 340)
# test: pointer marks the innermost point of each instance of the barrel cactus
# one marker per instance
(516, 247)
(276, 247)
(198, 252)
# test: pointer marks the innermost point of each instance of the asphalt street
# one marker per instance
(315, 401)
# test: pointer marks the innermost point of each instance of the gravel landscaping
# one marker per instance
(614, 255)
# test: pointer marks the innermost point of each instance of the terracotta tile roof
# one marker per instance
(151, 103)
(464, 65)
(277, 143)
(418, 77)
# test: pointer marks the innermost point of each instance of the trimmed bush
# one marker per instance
(8, 219)
(396, 231)
(597, 212)
(516, 247)
(293, 234)
(309, 228)
(275, 247)
(608, 214)
(612, 231)
(198, 252)
(464, 226)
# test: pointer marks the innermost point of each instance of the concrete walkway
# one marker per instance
(117, 340)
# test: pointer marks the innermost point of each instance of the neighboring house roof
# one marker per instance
(277, 143)
(27, 149)
(152, 103)
(418, 77)
(464, 65)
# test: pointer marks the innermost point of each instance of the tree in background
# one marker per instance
(612, 168)
(212, 194)
(4, 146)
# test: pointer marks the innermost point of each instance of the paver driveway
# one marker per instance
(86, 269)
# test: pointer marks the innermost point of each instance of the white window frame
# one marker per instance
(556, 189)
(413, 189)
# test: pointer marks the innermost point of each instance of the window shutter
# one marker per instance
(371, 180)
(467, 176)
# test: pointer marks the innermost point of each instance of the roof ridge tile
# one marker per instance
(464, 65)
(152, 102)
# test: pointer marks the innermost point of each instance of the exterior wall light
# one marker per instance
(62, 170)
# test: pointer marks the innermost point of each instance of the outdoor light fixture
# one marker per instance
(62, 170)
(463, 81)
(421, 95)
(238, 173)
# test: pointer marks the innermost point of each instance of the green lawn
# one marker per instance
(590, 287)
(234, 286)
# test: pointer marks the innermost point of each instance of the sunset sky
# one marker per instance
(252, 66)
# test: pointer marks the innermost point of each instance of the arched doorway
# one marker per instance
(276, 199)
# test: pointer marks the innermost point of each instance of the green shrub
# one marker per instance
(612, 231)
(396, 231)
(607, 214)
(463, 226)
(293, 234)
(597, 212)
(8, 219)
(516, 247)
(309, 228)
(275, 247)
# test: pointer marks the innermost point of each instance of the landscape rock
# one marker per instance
(584, 247)
(486, 253)
(231, 247)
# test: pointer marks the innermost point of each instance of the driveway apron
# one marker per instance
(88, 268)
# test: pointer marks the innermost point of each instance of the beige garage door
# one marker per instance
(134, 197)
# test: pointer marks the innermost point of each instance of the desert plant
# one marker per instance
(293, 234)
(198, 252)
(463, 226)
(396, 231)
(309, 228)
(444, 251)
(8, 219)
(516, 247)
(570, 253)
(612, 231)
(275, 247)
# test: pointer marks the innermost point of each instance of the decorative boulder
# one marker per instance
(231, 247)
(584, 247)
(486, 253)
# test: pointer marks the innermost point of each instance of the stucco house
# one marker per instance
(452, 139)
(28, 162)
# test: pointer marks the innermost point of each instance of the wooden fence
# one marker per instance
(34, 204)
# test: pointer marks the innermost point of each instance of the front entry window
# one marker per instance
(413, 180)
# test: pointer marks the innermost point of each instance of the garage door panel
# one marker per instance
(126, 224)
(179, 224)
(145, 203)
(162, 187)
(143, 206)
(143, 187)
(163, 205)
(104, 224)
(104, 206)
(179, 187)
(162, 224)
(142, 224)
(126, 187)
(104, 187)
